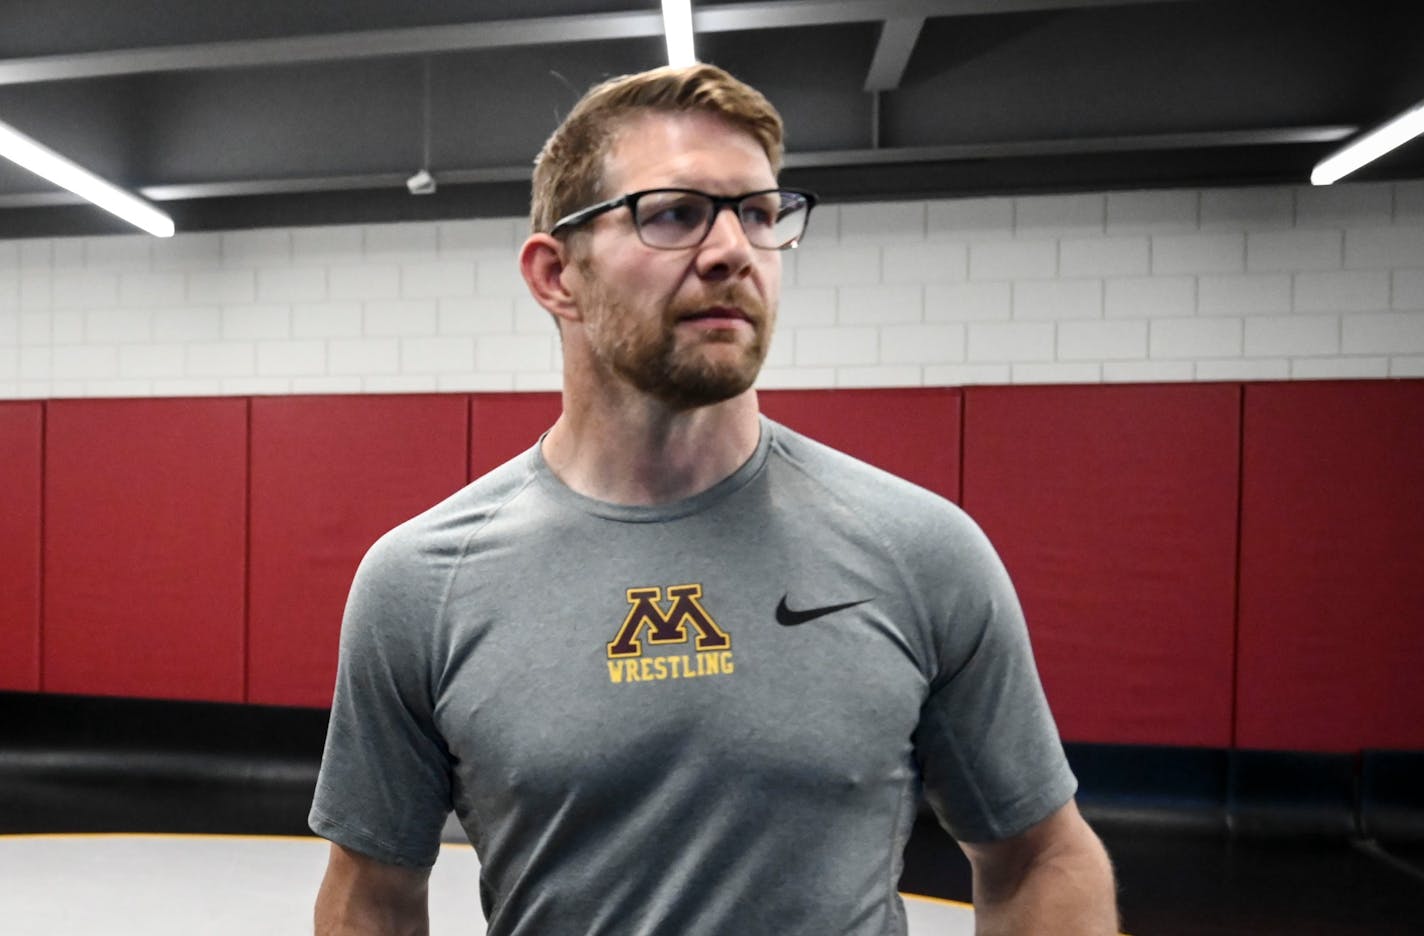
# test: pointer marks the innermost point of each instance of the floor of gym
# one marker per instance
(132, 816)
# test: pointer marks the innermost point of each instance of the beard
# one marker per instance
(645, 351)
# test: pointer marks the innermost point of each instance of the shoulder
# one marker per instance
(419, 552)
(872, 494)
(936, 548)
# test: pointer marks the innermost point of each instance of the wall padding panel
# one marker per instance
(21, 427)
(1115, 511)
(145, 535)
(329, 476)
(913, 432)
(504, 424)
(1332, 567)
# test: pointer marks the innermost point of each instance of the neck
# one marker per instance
(640, 451)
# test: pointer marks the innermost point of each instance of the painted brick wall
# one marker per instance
(1223, 284)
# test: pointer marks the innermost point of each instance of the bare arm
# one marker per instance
(360, 895)
(1053, 879)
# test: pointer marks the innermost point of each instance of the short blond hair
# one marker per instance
(568, 172)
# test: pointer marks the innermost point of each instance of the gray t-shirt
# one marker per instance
(707, 717)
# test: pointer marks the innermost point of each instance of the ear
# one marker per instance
(543, 261)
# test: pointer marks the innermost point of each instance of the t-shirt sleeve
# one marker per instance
(384, 788)
(989, 753)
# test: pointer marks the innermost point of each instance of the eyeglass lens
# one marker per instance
(771, 220)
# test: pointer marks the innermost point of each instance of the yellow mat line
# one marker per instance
(939, 900)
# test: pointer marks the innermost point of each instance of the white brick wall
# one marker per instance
(1347, 206)
(1346, 291)
(1276, 251)
(1138, 297)
(968, 302)
(1104, 256)
(1058, 299)
(831, 347)
(1194, 339)
(1102, 341)
(1198, 253)
(1158, 212)
(929, 262)
(885, 223)
(1011, 342)
(1177, 285)
(971, 219)
(1294, 336)
(1009, 260)
(1408, 289)
(1248, 209)
(1060, 215)
(880, 305)
(1249, 294)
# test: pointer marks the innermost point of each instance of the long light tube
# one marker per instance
(677, 25)
(1371, 146)
(43, 161)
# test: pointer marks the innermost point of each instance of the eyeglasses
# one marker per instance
(676, 218)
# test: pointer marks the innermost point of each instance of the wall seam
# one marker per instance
(963, 431)
(1242, 390)
(1233, 752)
(43, 539)
(247, 556)
(469, 438)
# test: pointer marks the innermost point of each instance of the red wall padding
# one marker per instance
(21, 425)
(911, 432)
(504, 424)
(1114, 508)
(144, 554)
(329, 476)
(1332, 567)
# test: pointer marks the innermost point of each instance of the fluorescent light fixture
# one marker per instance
(43, 161)
(677, 24)
(1371, 146)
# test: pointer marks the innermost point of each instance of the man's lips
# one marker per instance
(723, 315)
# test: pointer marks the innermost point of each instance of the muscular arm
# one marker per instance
(1053, 879)
(360, 895)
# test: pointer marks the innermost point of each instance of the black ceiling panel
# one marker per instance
(269, 112)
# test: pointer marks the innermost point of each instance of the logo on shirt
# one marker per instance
(789, 618)
(680, 618)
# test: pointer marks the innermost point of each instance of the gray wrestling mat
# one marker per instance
(178, 885)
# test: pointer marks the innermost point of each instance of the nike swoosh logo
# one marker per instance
(788, 618)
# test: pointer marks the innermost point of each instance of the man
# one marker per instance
(677, 669)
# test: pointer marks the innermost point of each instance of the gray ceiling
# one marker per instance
(240, 113)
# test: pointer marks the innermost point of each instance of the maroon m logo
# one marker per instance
(666, 627)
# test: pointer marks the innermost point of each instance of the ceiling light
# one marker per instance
(43, 161)
(677, 24)
(1369, 147)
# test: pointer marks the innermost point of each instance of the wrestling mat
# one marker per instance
(178, 885)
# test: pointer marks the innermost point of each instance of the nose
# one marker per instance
(725, 251)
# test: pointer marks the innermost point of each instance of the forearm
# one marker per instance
(366, 918)
(1066, 893)
(361, 897)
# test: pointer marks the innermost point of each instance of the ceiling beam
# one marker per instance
(1082, 146)
(501, 34)
(730, 17)
(1284, 136)
(289, 50)
(892, 53)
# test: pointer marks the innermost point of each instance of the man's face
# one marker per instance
(689, 327)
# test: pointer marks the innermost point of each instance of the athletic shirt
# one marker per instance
(708, 717)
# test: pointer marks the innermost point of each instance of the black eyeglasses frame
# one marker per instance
(734, 202)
